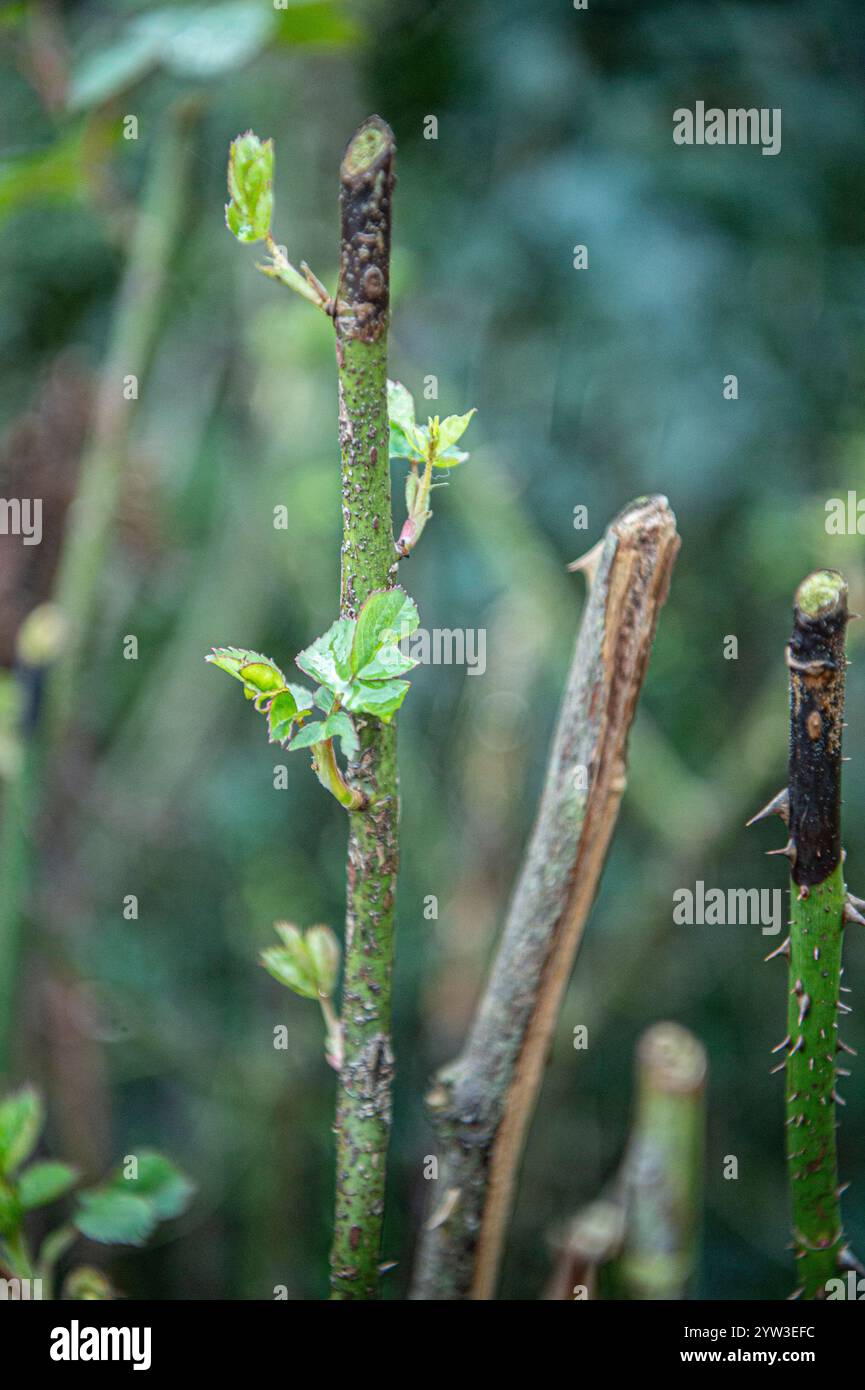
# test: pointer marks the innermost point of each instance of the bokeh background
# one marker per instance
(554, 128)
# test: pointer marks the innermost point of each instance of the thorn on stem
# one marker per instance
(778, 806)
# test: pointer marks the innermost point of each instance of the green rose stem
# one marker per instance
(811, 805)
(662, 1171)
(641, 1239)
(369, 562)
(133, 335)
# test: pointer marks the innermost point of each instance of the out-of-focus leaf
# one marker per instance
(115, 1218)
(42, 1183)
(160, 1181)
(21, 1120)
(113, 67)
(216, 40)
(126, 1210)
(323, 949)
(291, 963)
(316, 22)
(86, 1284)
(53, 173)
(192, 41)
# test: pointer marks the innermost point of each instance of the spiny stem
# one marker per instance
(816, 660)
(369, 562)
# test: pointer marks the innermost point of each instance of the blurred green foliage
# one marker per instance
(554, 130)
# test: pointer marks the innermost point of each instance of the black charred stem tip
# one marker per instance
(817, 662)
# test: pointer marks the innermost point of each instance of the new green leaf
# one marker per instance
(385, 618)
(383, 699)
(250, 185)
(452, 428)
(291, 963)
(327, 659)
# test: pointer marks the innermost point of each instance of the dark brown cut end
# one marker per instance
(817, 662)
(366, 188)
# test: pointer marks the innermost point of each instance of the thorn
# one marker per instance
(847, 1260)
(816, 952)
(780, 1067)
(843, 1047)
(782, 950)
(839, 1191)
(857, 902)
(797, 1046)
(844, 1008)
(804, 1006)
(842, 1071)
(778, 806)
(840, 1100)
(804, 892)
(851, 913)
(589, 562)
(785, 1042)
(789, 850)
(447, 1208)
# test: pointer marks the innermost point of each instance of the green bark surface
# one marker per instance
(816, 938)
(369, 562)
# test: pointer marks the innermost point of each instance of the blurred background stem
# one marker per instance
(54, 710)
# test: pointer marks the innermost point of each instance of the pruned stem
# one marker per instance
(482, 1104)
(817, 664)
(368, 563)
